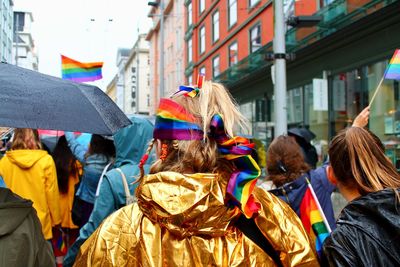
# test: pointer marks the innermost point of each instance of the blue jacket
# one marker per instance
(293, 192)
(131, 143)
(93, 166)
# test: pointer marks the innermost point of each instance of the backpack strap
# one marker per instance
(128, 195)
(250, 229)
(101, 178)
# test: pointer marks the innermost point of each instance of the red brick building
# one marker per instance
(219, 33)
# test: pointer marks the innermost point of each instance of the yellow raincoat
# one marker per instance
(67, 199)
(32, 174)
(181, 220)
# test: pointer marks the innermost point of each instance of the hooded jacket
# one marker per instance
(367, 233)
(181, 220)
(131, 143)
(21, 238)
(32, 175)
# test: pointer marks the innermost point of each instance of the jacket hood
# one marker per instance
(186, 204)
(382, 220)
(132, 141)
(14, 208)
(25, 158)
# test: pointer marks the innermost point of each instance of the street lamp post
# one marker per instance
(280, 70)
(160, 4)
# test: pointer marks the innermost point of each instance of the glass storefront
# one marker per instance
(348, 94)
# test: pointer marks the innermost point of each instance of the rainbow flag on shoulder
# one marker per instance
(313, 218)
(393, 70)
(80, 72)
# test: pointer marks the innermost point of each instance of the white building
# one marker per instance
(137, 80)
(23, 44)
(122, 57)
(6, 30)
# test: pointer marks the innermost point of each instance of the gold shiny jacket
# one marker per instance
(181, 220)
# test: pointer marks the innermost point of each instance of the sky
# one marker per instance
(85, 30)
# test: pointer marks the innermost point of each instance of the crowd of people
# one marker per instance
(195, 200)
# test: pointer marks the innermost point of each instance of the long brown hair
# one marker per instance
(358, 161)
(25, 138)
(285, 161)
(201, 155)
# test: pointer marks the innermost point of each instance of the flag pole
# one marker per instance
(376, 90)
(319, 206)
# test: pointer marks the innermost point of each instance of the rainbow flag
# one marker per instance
(313, 218)
(393, 70)
(80, 72)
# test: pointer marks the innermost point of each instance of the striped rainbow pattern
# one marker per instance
(80, 72)
(393, 70)
(243, 180)
(313, 218)
(174, 122)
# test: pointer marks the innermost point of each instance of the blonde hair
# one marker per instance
(25, 138)
(201, 156)
(359, 162)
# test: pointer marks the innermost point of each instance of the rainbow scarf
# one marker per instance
(80, 72)
(313, 218)
(393, 70)
(174, 122)
(244, 178)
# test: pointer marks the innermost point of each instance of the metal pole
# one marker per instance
(137, 71)
(280, 70)
(162, 49)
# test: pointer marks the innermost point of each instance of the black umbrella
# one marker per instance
(304, 133)
(29, 99)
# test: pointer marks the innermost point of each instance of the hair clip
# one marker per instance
(281, 166)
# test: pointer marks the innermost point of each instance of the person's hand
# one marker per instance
(362, 119)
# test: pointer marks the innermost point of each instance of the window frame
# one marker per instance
(213, 66)
(189, 14)
(251, 39)
(229, 53)
(189, 50)
(255, 2)
(215, 39)
(202, 3)
(230, 25)
(202, 49)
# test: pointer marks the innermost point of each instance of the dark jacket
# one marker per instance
(368, 232)
(21, 238)
(293, 192)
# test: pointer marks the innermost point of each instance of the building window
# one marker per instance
(232, 12)
(189, 51)
(202, 6)
(255, 38)
(190, 80)
(215, 33)
(189, 14)
(215, 64)
(202, 39)
(253, 2)
(233, 54)
(202, 70)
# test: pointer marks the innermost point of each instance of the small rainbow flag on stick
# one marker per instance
(392, 72)
(80, 72)
(313, 218)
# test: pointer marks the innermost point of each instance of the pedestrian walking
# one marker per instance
(30, 172)
(117, 187)
(69, 171)
(100, 153)
(22, 243)
(199, 205)
(368, 228)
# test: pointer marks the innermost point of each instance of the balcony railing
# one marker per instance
(336, 15)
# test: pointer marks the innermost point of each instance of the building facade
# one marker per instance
(6, 30)
(170, 39)
(111, 90)
(23, 44)
(137, 79)
(122, 57)
(338, 64)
